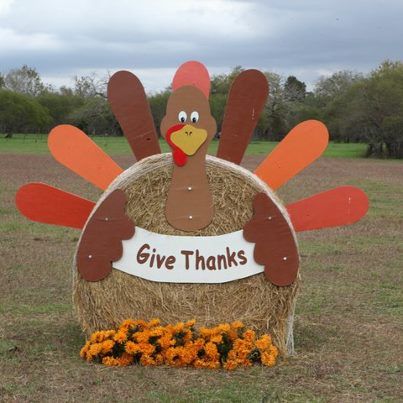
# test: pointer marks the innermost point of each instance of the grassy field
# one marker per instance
(27, 144)
(348, 331)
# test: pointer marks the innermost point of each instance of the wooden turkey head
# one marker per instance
(188, 128)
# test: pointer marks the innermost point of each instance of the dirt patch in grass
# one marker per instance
(348, 322)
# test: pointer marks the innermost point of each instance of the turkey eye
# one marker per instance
(194, 117)
(182, 116)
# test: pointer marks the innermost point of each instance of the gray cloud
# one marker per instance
(306, 38)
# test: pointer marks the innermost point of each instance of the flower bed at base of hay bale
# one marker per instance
(227, 345)
(256, 302)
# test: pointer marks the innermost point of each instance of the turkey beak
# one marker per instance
(188, 139)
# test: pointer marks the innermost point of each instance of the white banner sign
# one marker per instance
(188, 259)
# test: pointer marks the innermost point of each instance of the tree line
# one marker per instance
(355, 107)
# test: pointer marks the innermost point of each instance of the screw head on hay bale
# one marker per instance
(253, 300)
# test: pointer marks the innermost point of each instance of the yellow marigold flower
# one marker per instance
(268, 359)
(107, 346)
(120, 336)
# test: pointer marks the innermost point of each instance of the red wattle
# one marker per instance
(178, 155)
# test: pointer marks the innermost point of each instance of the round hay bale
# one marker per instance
(253, 300)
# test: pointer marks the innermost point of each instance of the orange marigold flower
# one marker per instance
(153, 322)
(211, 350)
(249, 335)
(132, 348)
(110, 361)
(120, 336)
(223, 328)
(128, 323)
(231, 364)
(199, 350)
(142, 337)
(107, 346)
(146, 348)
(274, 351)
(237, 324)
(205, 332)
(97, 337)
(84, 350)
(190, 323)
(147, 360)
(95, 349)
(125, 359)
(263, 342)
(166, 341)
(216, 339)
(268, 359)
(157, 332)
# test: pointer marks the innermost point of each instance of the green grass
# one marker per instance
(37, 144)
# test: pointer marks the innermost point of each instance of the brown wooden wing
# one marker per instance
(129, 104)
(101, 242)
(245, 103)
(275, 245)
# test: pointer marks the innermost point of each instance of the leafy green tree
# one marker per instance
(25, 80)
(60, 106)
(95, 117)
(373, 109)
(158, 103)
(294, 90)
(21, 114)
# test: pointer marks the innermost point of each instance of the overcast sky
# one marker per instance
(306, 38)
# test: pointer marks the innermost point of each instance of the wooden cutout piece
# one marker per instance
(101, 242)
(275, 246)
(302, 146)
(129, 104)
(74, 149)
(246, 100)
(192, 73)
(189, 204)
(49, 205)
(343, 205)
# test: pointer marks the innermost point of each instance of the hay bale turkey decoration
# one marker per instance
(187, 235)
